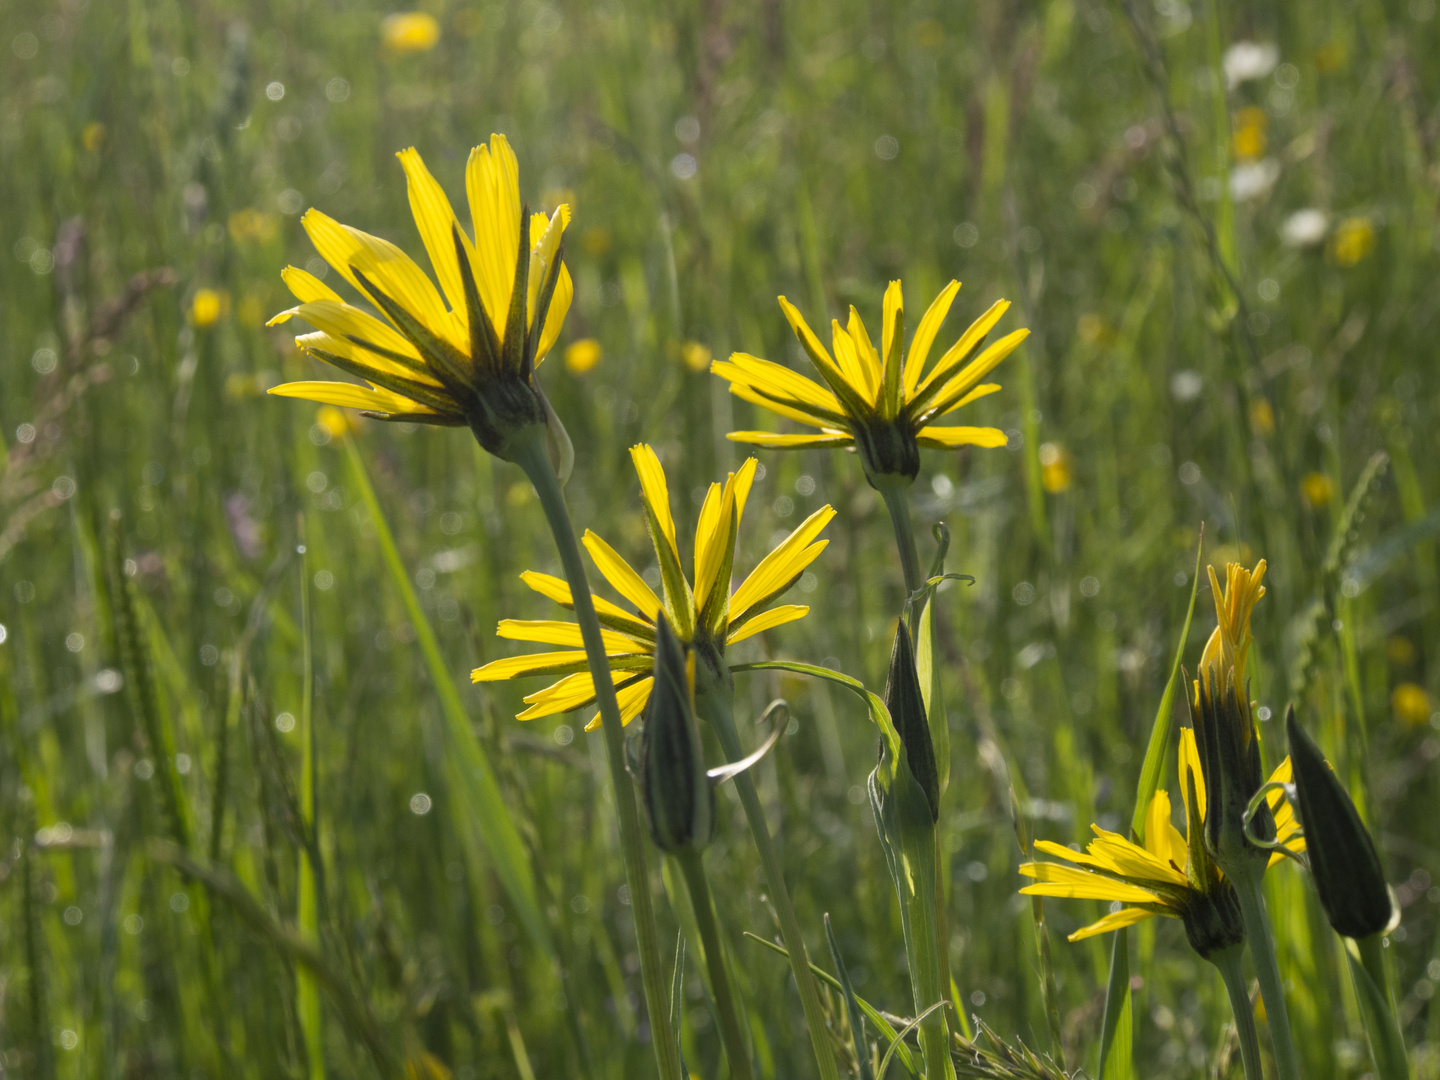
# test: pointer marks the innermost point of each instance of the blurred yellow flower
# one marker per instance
(582, 355)
(463, 354)
(410, 32)
(695, 355)
(1354, 238)
(879, 401)
(251, 224)
(705, 614)
(1317, 489)
(1400, 650)
(1056, 468)
(1329, 57)
(335, 422)
(209, 306)
(1411, 704)
(596, 241)
(93, 137)
(1093, 330)
(1248, 140)
(1262, 417)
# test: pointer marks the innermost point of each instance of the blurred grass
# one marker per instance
(1186, 364)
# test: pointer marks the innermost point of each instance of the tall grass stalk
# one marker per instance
(1262, 951)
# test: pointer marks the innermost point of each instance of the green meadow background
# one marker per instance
(1198, 354)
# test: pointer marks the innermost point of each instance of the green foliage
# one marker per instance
(1195, 355)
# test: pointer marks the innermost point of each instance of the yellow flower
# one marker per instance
(1317, 489)
(705, 614)
(1229, 644)
(209, 306)
(93, 137)
(1411, 704)
(463, 354)
(1262, 417)
(1248, 141)
(1056, 468)
(1170, 875)
(410, 32)
(695, 356)
(880, 402)
(582, 355)
(1354, 239)
(251, 224)
(334, 422)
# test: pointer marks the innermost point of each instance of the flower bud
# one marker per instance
(1343, 862)
(888, 451)
(907, 711)
(678, 795)
(1230, 762)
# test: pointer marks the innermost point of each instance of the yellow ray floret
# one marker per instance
(719, 616)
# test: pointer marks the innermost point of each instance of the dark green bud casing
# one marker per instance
(1343, 861)
(679, 798)
(1230, 760)
(907, 711)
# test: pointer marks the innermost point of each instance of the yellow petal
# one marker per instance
(555, 318)
(741, 482)
(631, 700)
(945, 438)
(803, 332)
(957, 386)
(949, 403)
(710, 536)
(545, 236)
(893, 305)
(558, 589)
(344, 322)
(492, 185)
(789, 442)
(1077, 884)
(1190, 762)
(1131, 860)
(621, 576)
(351, 396)
(778, 381)
(925, 337)
(558, 632)
(745, 393)
(515, 667)
(782, 564)
(955, 355)
(389, 268)
(437, 223)
(1115, 921)
(778, 616)
(655, 491)
(306, 287)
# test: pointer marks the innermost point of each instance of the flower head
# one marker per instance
(464, 354)
(701, 609)
(1229, 645)
(1169, 874)
(410, 32)
(882, 402)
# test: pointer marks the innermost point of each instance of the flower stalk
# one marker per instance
(532, 456)
(1228, 962)
(714, 696)
(1262, 951)
(692, 866)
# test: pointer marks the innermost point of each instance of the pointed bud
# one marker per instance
(1343, 862)
(907, 711)
(678, 796)
(1230, 761)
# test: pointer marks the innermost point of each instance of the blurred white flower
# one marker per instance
(1305, 228)
(1246, 60)
(1253, 179)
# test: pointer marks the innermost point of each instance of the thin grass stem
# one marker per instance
(692, 865)
(532, 458)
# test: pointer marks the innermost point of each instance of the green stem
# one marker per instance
(897, 501)
(713, 701)
(1228, 961)
(1262, 949)
(1387, 1044)
(693, 866)
(531, 457)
